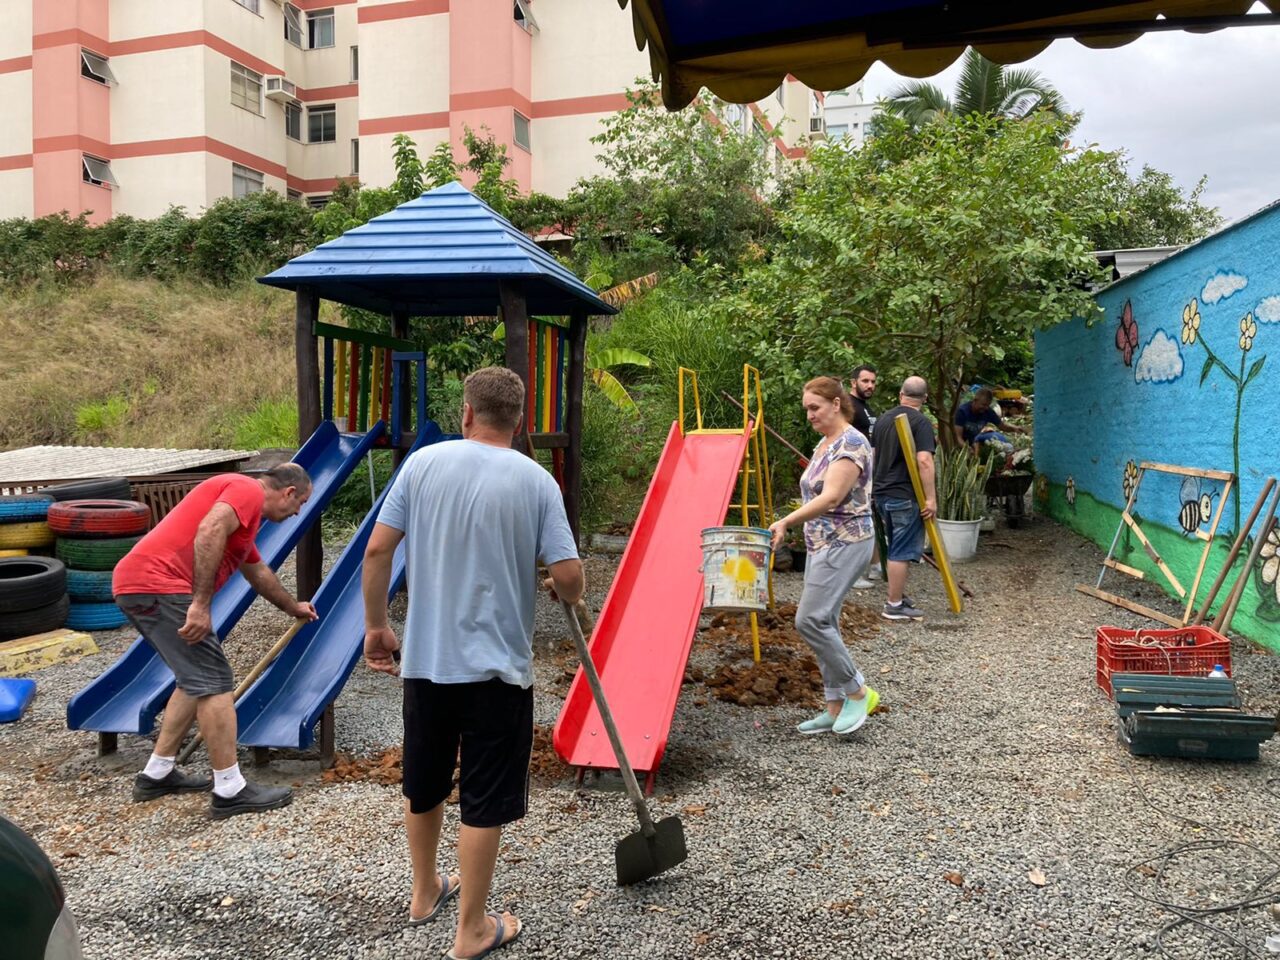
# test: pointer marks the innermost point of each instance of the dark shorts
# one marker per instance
(903, 529)
(201, 669)
(486, 729)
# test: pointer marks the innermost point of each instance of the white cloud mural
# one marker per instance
(1222, 285)
(1160, 360)
(1267, 310)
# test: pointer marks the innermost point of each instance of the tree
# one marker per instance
(984, 88)
(928, 252)
(1154, 212)
(678, 187)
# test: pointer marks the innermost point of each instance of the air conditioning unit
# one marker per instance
(279, 89)
(818, 127)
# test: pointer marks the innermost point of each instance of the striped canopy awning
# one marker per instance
(741, 50)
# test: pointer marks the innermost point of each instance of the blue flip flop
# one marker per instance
(447, 893)
(498, 942)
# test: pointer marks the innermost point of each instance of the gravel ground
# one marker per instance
(995, 761)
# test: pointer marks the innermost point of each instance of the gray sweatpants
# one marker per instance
(829, 574)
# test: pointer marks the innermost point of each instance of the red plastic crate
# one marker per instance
(1178, 652)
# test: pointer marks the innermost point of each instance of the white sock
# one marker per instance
(158, 767)
(227, 783)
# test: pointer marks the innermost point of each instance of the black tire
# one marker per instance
(30, 582)
(94, 554)
(95, 616)
(39, 620)
(108, 488)
(84, 585)
(27, 506)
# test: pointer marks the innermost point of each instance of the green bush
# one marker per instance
(95, 418)
(272, 423)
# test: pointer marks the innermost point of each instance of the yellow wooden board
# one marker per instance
(930, 527)
(43, 649)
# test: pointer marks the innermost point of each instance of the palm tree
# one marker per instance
(984, 88)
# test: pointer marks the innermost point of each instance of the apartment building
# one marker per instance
(132, 106)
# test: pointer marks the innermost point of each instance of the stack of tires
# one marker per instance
(92, 537)
(33, 596)
(23, 526)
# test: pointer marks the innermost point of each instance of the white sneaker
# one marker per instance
(875, 573)
(862, 583)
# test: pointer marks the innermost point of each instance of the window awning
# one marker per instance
(741, 50)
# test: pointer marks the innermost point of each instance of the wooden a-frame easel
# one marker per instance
(1126, 519)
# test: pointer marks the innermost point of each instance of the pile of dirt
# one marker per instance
(384, 768)
(387, 767)
(792, 680)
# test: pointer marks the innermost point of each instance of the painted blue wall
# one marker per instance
(1141, 382)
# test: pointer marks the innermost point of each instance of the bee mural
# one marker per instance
(1197, 505)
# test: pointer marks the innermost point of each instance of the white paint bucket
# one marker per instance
(735, 568)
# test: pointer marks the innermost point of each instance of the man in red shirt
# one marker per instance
(165, 586)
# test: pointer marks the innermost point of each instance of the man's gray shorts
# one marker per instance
(201, 668)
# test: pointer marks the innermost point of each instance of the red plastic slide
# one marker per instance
(645, 629)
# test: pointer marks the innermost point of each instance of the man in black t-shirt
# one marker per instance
(862, 384)
(895, 497)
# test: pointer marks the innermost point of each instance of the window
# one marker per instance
(97, 172)
(318, 202)
(355, 64)
(355, 157)
(293, 24)
(95, 67)
(246, 88)
(244, 181)
(293, 195)
(733, 116)
(322, 124)
(524, 16)
(837, 131)
(520, 133)
(293, 120)
(320, 29)
(250, 5)
(757, 128)
(780, 95)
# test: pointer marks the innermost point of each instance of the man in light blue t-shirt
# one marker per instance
(476, 517)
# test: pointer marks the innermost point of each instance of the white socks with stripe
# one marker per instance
(158, 767)
(227, 783)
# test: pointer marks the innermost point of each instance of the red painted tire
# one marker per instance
(99, 518)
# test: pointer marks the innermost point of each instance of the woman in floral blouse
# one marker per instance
(838, 535)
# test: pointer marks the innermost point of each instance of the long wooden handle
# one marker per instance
(772, 432)
(247, 682)
(1228, 610)
(597, 691)
(1234, 552)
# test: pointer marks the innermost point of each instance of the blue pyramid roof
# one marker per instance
(439, 255)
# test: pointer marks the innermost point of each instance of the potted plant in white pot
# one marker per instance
(961, 481)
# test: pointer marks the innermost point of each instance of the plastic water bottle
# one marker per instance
(1217, 672)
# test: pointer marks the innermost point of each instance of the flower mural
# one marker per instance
(1190, 322)
(1248, 330)
(1221, 286)
(1129, 480)
(1071, 492)
(1042, 488)
(1267, 574)
(1127, 334)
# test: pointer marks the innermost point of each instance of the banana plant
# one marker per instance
(598, 364)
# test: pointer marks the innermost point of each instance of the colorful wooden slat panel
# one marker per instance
(353, 386)
(386, 386)
(366, 363)
(327, 380)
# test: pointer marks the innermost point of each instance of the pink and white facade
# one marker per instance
(133, 106)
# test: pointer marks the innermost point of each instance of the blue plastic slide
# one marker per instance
(284, 705)
(15, 697)
(127, 697)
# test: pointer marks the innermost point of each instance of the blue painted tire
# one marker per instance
(28, 506)
(95, 616)
(85, 585)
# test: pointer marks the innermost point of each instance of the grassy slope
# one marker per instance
(140, 363)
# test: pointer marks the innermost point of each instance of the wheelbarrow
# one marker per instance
(1012, 488)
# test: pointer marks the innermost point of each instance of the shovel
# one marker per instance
(655, 847)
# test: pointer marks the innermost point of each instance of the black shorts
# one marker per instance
(484, 728)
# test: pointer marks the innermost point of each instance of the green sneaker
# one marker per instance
(822, 723)
(854, 713)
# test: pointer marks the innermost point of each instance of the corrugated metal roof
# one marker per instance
(75, 463)
(439, 255)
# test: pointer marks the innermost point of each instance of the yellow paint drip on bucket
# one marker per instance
(735, 569)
